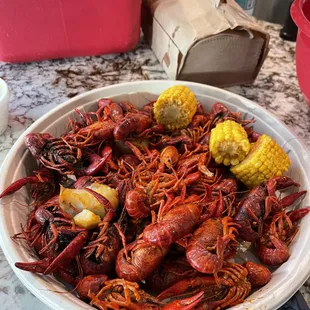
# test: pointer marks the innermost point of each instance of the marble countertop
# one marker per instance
(39, 87)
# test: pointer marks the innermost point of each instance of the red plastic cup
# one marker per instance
(300, 12)
(47, 29)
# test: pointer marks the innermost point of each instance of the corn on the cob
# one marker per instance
(175, 107)
(229, 143)
(265, 160)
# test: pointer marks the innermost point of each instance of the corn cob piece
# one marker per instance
(229, 143)
(265, 160)
(175, 107)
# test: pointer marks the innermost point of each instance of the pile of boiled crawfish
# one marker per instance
(172, 241)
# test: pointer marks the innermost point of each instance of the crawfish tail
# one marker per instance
(136, 204)
(208, 235)
(274, 256)
(144, 259)
(258, 275)
(177, 223)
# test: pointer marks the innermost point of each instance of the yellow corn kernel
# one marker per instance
(229, 143)
(265, 160)
(175, 107)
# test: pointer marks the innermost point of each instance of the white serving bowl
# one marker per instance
(285, 281)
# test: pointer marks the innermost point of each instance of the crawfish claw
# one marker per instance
(278, 183)
(298, 214)
(37, 266)
(185, 304)
(290, 199)
(18, 185)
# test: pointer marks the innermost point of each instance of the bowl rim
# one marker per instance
(299, 17)
(147, 86)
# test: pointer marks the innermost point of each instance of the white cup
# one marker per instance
(4, 106)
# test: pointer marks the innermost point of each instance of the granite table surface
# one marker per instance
(39, 87)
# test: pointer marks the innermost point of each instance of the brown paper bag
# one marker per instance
(208, 41)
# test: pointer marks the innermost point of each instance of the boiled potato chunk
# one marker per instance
(74, 201)
(106, 191)
(87, 219)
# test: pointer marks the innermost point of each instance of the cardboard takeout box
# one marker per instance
(208, 41)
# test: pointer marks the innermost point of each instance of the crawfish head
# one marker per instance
(169, 156)
(227, 186)
(42, 215)
(53, 153)
(272, 247)
(99, 256)
(250, 214)
(121, 294)
(35, 142)
(132, 124)
(212, 234)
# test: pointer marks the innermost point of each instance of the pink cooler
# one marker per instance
(48, 29)
(300, 11)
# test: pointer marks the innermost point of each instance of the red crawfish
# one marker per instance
(259, 203)
(172, 226)
(226, 186)
(99, 255)
(57, 154)
(179, 140)
(258, 275)
(228, 287)
(90, 285)
(53, 153)
(107, 109)
(43, 185)
(272, 248)
(220, 113)
(122, 294)
(97, 162)
(91, 132)
(111, 109)
(152, 183)
(141, 201)
(54, 236)
(171, 270)
(219, 197)
(206, 249)
(132, 123)
(169, 156)
(137, 204)
(200, 120)
(113, 180)
(137, 260)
